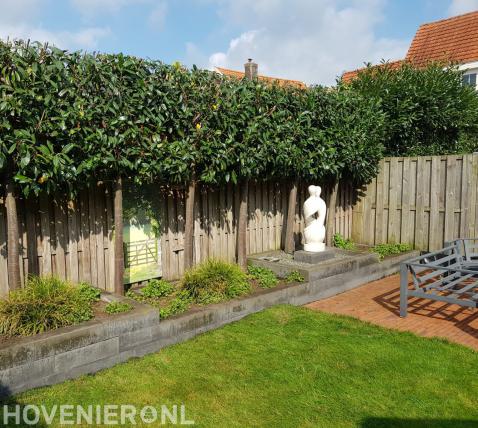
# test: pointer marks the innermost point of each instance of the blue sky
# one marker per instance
(309, 40)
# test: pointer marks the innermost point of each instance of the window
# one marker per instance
(469, 79)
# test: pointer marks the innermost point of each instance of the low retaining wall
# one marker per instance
(73, 351)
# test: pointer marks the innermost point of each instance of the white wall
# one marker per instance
(470, 68)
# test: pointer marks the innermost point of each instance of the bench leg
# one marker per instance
(403, 290)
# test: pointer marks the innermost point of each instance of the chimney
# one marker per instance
(250, 69)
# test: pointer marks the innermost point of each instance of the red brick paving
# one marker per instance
(378, 302)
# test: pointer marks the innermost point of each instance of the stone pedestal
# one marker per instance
(313, 257)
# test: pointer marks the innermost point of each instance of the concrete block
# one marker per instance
(26, 376)
(314, 258)
(79, 357)
(134, 338)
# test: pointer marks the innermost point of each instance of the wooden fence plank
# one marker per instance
(3, 251)
(436, 235)
(380, 235)
(85, 256)
(109, 240)
(60, 238)
(99, 224)
(92, 235)
(450, 198)
(405, 206)
(31, 208)
(473, 224)
(73, 237)
(46, 268)
(393, 188)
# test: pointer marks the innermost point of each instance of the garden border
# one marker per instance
(69, 352)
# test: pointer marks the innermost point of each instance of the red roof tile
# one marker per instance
(350, 75)
(279, 81)
(448, 40)
(453, 39)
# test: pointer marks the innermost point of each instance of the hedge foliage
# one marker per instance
(428, 110)
(67, 118)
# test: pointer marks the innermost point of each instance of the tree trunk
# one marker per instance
(289, 245)
(12, 237)
(189, 225)
(242, 227)
(119, 252)
(331, 214)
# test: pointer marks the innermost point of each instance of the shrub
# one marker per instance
(265, 277)
(385, 250)
(428, 110)
(294, 276)
(214, 281)
(344, 244)
(44, 304)
(90, 293)
(157, 288)
(117, 307)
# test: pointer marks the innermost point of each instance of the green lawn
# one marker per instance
(292, 367)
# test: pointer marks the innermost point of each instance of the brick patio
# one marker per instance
(378, 303)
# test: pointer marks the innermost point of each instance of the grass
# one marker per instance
(292, 367)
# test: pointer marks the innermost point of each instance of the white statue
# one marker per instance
(314, 213)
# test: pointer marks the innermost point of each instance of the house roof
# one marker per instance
(277, 80)
(452, 40)
(350, 75)
(448, 40)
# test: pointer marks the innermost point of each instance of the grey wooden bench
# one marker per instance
(449, 275)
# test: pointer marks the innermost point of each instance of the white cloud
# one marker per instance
(309, 40)
(157, 17)
(457, 7)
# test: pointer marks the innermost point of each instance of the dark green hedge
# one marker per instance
(68, 118)
(428, 110)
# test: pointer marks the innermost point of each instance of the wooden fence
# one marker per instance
(422, 201)
(215, 225)
(74, 240)
(71, 240)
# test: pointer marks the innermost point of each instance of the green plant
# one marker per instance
(90, 293)
(294, 276)
(265, 277)
(157, 288)
(385, 250)
(117, 307)
(44, 304)
(428, 109)
(344, 244)
(176, 306)
(214, 281)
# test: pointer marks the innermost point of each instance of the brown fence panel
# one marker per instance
(68, 239)
(74, 239)
(422, 201)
